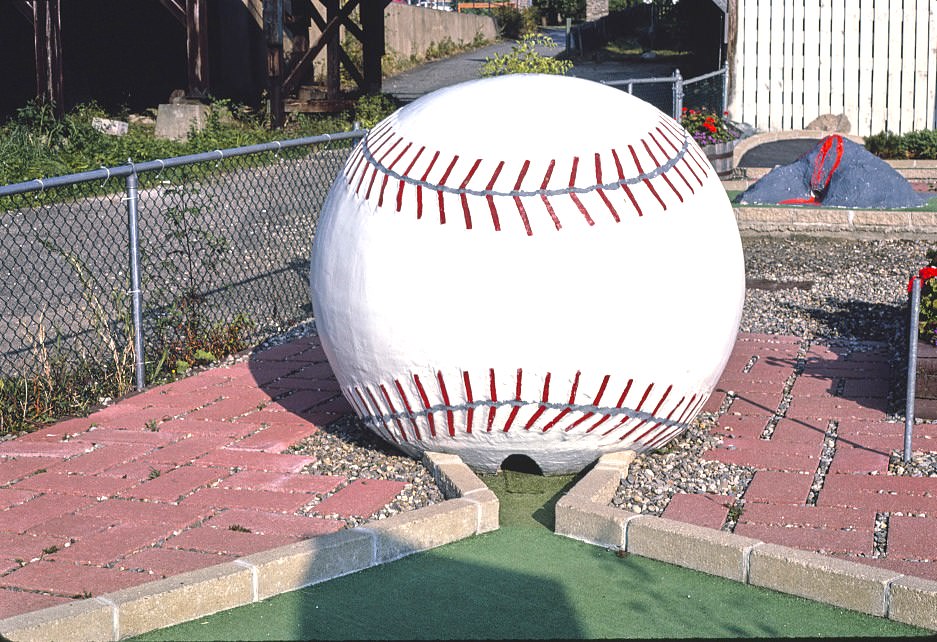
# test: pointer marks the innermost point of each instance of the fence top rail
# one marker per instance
(670, 79)
(39, 184)
(637, 81)
(711, 74)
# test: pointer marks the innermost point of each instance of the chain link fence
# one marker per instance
(128, 267)
(671, 94)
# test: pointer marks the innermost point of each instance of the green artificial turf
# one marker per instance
(523, 581)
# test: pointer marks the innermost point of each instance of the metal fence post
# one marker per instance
(677, 95)
(725, 88)
(136, 298)
(912, 365)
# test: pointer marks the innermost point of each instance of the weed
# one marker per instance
(238, 528)
(525, 59)
(152, 426)
(50, 550)
(154, 473)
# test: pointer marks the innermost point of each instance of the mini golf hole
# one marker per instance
(520, 464)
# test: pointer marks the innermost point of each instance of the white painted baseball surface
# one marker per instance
(527, 264)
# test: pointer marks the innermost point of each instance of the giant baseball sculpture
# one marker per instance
(527, 264)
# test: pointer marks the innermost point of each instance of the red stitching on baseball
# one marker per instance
(574, 196)
(636, 409)
(676, 167)
(596, 401)
(545, 398)
(543, 197)
(660, 403)
(465, 207)
(494, 397)
(598, 181)
(517, 199)
(517, 397)
(445, 400)
(646, 181)
(621, 401)
(439, 193)
(621, 177)
(425, 400)
(406, 404)
(491, 199)
(572, 399)
(419, 188)
(407, 172)
(468, 397)
(393, 411)
(664, 176)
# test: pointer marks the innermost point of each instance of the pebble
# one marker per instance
(840, 292)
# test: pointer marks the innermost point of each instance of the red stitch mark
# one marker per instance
(621, 401)
(685, 412)
(543, 197)
(544, 398)
(374, 413)
(470, 400)
(377, 406)
(372, 139)
(572, 400)
(637, 410)
(491, 199)
(380, 200)
(664, 175)
(407, 173)
(653, 413)
(425, 400)
(406, 404)
(354, 163)
(675, 167)
(517, 199)
(465, 208)
(517, 397)
(445, 401)
(379, 161)
(393, 411)
(419, 187)
(685, 159)
(494, 397)
(646, 181)
(574, 196)
(595, 402)
(624, 185)
(598, 181)
(439, 193)
(692, 152)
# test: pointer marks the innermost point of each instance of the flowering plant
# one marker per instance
(927, 321)
(707, 127)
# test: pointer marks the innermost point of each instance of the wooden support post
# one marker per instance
(196, 30)
(47, 35)
(273, 34)
(333, 80)
(372, 45)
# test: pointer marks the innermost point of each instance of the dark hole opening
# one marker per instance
(521, 464)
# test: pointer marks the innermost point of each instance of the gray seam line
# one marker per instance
(255, 580)
(369, 157)
(611, 412)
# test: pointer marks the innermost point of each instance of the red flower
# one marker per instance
(924, 274)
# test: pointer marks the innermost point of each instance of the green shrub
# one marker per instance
(513, 22)
(524, 59)
(921, 144)
(372, 109)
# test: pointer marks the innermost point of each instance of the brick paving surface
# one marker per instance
(825, 396)
(176, 478)
(193, 473)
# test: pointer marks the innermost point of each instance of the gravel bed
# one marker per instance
(827, 291)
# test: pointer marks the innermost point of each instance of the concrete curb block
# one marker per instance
(585, 514)
(470, 509)
(837, 222)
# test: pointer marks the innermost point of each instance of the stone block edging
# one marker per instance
(470, 509)
(585, 514)
(836, 222)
